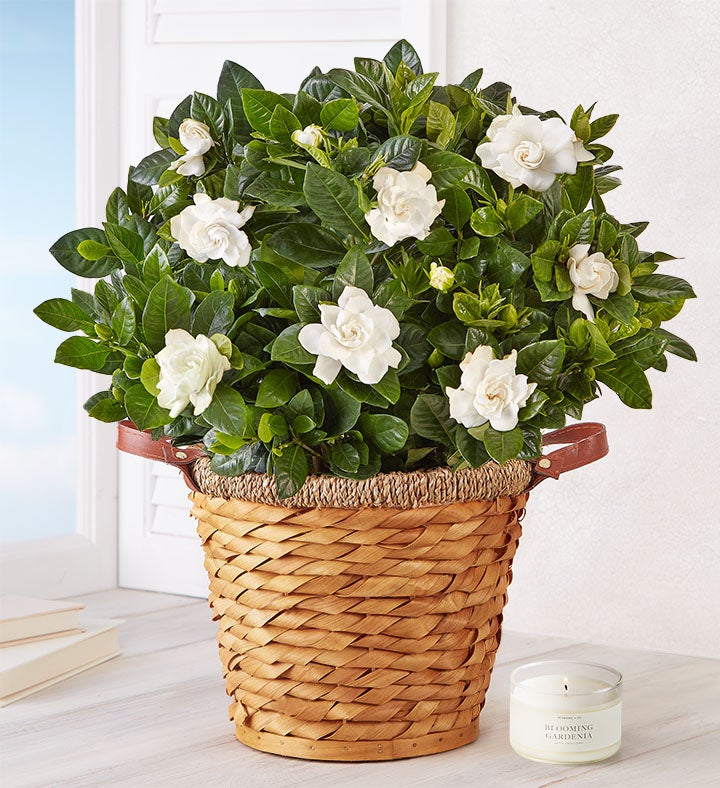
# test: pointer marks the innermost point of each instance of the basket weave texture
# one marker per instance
(359, 631)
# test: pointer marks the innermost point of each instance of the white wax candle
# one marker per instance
(565, 712)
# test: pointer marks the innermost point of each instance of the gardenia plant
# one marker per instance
(375, 273)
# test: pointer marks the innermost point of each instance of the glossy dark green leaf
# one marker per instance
(345, 457)
(227, 411)
(291, 470)
(65, 251)
(339, 114)
(473, 451)
(354, 271)
(677, 346)
(148, 172)
(341, 412)
(522, 210)
(503, 446)
(309, 245)
(628, 381)
(403, 52)
(659, 287)
(125, 244)
(104, 407)
(541, 361)
(334, 199)
(215, 314)
(486, 222)
(143, 409)
(387, 433)
(458, 207)
(259, 106)
(361, 87)
(82, 353)
(273, 190)
(447, 168)
(283, 123)
(123, 321)
(63, 314)
(400, 152)
(167, 307)
(306, 300)
(430, 418)
(276, 388)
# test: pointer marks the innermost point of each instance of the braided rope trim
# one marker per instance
(413, 490)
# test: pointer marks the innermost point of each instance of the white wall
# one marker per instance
(627, 551)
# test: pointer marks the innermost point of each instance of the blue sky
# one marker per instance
(38, 410)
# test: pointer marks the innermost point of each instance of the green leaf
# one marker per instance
(505, 263)
(65, 251)
(150, 375)
(63, 314)
(521, 210)
(306, 301)
(677, 346)
(92, 250)
(104, 407)
(156, 266)
(168, 307)
(227, 411)
(125, 244)
(449, 339)
(622, 308)
(233, 78)
(659, 287)
(601, 126)
(486, 222)
(276, 282)
(580, 229)
(341, 412)
(259, 106)
(391, 295)
(276, 388)
(143, 409)
(403, 52)
(117, 209)
(270, 426)
(334, 199)
(628, 381)
(479, 181)
(389, 386)
(458, 207)
(282, 124)
(288, 350)
(291, 470)
(387, 433)
(503, 446)
(541, 361)
(339, 114)
(430, 418)
(273, 190)
(148, 172)
(308, 244)
(345, 457)
(437, 243)
(607, 236)
(400, 152)
(82, 353)
(440, 123)
(215, 315)
(472, 450)
(447, 168)
(359, 86)
(123, 321)
(209, 111)
(579, 188)
(354, 271)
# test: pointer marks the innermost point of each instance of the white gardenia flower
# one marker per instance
(490, 390)
(355, 334)
(527, 151)
(195, 138)
(591, 275)
(407, 204)
(210, 230)
(311, 136)
(190, 369)
(441, 277)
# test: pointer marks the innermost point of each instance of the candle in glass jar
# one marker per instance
(565, 712)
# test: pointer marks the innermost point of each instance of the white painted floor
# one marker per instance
(157, 717)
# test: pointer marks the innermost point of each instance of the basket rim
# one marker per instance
(395, 489)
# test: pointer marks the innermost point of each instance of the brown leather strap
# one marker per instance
(584, 443)
(134, 441)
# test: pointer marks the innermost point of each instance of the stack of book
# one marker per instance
(43, 642)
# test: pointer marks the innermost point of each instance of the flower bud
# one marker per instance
(441, 278)
(311, 136)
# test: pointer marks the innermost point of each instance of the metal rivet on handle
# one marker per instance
(544, 463)
(180, 455)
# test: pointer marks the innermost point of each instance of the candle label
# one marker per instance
(542, 729)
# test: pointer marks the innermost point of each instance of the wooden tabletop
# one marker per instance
(157, 716)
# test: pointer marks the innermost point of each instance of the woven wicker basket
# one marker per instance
(359, 621)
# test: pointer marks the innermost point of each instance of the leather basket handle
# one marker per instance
(134, 441)
(584, 443)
